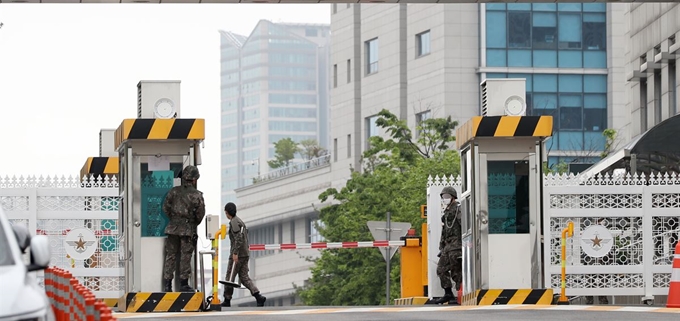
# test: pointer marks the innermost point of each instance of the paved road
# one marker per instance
(411, 313)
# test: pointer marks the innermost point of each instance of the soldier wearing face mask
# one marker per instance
(450, 265)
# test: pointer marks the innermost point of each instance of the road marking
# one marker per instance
(400, 309)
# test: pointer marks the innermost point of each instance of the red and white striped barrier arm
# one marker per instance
(323, 245)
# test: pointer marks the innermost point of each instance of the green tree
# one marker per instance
(311, 149)
(610, 137)
(285, 150)
(394, 180)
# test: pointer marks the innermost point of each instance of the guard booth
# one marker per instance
(500, 195)
(153, 149)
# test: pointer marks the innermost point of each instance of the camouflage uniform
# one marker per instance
(185, 208)
(450, 261)
(238, 236)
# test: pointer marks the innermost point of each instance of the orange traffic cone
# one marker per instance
(674, 288)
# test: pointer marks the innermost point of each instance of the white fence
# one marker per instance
(53, 206)
(633, 256)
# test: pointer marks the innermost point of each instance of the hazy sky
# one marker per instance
(68, 70)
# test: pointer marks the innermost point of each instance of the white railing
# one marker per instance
(53, 206)
(294, 168)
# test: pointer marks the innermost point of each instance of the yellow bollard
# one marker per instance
(563, 293)
(221, 233)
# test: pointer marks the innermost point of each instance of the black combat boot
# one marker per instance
(448, 296)
(259, 298)
(185, 286)
(168, 286)
(226, 302)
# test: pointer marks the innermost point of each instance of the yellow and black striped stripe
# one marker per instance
(161, 302)
(515, 296)
(100, 166)
(504, 126)
(159, 129)
(416, 300)
(111, 303)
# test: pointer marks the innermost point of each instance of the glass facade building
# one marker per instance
(274, 84)
(561, 51)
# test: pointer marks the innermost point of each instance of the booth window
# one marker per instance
(508, 184)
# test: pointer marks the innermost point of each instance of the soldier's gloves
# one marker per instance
(194, 238)
(439, 254)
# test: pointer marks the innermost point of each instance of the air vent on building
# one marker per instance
(503, 97)
(139, 100)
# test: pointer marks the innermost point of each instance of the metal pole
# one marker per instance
(388, 257)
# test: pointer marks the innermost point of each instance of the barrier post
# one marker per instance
(563, 292)
(220, 234)
(674, 286)
(72, 298)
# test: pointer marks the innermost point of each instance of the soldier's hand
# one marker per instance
(234, 257)
(194, 238)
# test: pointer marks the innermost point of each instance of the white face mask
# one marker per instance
(446, 201)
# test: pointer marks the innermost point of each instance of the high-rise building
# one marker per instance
(424, 60)
(274, 86)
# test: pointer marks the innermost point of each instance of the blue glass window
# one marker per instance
(577, 30)
(569, 7)
(544, 34)
(519, 58)
(595, 7)
(496, 58)
(595, 59)
(545, 83)
(569, 140)
(544, 7)
(570, 59)
(495, 30)
(595, 83)
(569, 31)
(495, 6)
(545, 58)
(571, 83)
(593, 141)
(595, 112)
(570, 112)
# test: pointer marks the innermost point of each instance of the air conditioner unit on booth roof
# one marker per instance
(504, 97)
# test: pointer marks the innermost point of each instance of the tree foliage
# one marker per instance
(311, 149)
(393, 180)
(285, 150)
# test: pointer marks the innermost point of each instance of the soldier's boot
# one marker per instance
(448, 296)
(185, 286)
(260, 299)
(226, 302)
(168, 286)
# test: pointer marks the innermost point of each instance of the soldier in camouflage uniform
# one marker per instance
(450, 264)
(185, 208)
(240, 253)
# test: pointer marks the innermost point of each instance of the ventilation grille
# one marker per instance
(100, 144)
(485, 99)
(139, 100)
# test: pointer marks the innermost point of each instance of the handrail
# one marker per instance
(295, 168)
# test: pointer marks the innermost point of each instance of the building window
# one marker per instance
(311, 32)
(657, 97)
(546, 35)
(643, 105)
(349, 145)
(314, 235)
(372, 56)
(349, 71)
(335, 76)
(335, 149)
(672, 81)
(420, 117)
(423, 43)
(577, 103)
(372, 129)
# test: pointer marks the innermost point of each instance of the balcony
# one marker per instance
(292, 169)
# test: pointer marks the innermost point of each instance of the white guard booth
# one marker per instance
(153, 150)
(499, 194)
